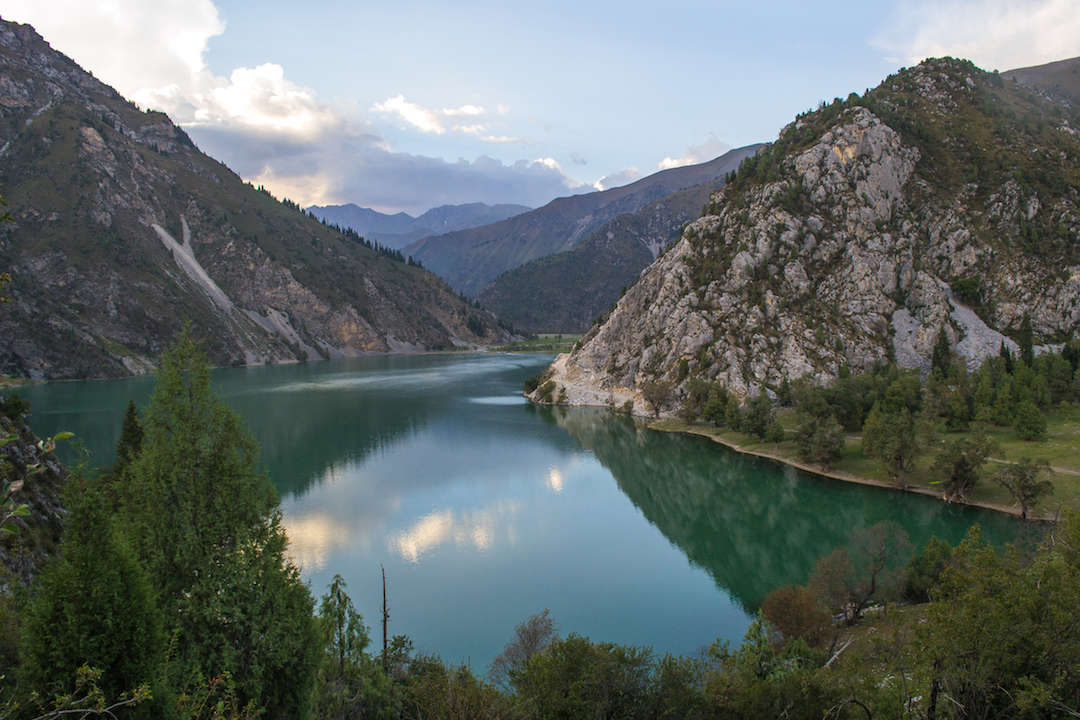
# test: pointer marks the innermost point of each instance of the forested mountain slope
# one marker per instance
(123, 231)
(947, 198)
(567, 291)
(470, 259)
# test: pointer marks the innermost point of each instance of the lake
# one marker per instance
(485, 509)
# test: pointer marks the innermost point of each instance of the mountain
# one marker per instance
(567, 291)
(1058, 81)
(398, 230)
(123, 231)
(470, 259)
(946, 199)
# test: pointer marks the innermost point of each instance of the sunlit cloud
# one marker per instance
(273, 131)
(994, 34)
(469, 110)
(618, 179)
(419, 117)
(712, 148)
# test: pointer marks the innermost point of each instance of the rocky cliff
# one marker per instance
(123, 231)
(945, 199)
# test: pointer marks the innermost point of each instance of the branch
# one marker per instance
(839, 652)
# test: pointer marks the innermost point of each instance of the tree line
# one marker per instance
(900, 413)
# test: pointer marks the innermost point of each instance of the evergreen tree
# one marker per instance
(208, 530)
(1026, 341)
(93, 606)
(941, 360)
(131, 437)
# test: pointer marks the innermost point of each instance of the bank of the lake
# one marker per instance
(854, 467)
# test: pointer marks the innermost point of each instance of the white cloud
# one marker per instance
(470, 110)
(548, 162)
(712, 148)
(266, 127)
(994, 34)
(418, 116)
(617, 179)
(129, 44)
(481, 133)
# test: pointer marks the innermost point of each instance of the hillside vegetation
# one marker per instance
(567, 291)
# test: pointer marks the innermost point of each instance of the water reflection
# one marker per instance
(476, 528)
(751, 523)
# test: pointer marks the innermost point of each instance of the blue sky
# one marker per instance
(407, 105)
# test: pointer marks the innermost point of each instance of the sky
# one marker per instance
(403, 106)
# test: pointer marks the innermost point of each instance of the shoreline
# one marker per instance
(669, 425)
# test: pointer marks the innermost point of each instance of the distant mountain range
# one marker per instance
(470, 259)
(400, 229)
(567, 291)
(123, 231)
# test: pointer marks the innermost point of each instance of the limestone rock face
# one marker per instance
(844, 251)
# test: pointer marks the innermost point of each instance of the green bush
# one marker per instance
(1030, 423)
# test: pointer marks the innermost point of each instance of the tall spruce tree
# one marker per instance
(93, 606)
(209, 532)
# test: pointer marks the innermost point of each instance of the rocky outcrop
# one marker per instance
(844, 247)
(41, 476)
(123, 231)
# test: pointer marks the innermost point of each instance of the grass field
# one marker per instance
(544, 342)
(1061, 449)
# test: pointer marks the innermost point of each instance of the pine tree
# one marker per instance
(1026, 342)
(208, 530)
(93, 606)
(941, 360)
(131, 437)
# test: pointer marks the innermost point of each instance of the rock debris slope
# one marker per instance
(946, 198)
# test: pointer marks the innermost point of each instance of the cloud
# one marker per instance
(271, 130)
(480, 132)
(994, 34)
(713, 147)
(351, 163)
(470, 110)
(617, 179)
(418, 116)
(129, 44)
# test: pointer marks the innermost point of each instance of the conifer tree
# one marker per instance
(93, 607)
(209, 532)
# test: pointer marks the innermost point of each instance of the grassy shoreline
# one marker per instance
(1061, 449)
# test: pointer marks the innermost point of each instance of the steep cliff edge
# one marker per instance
(124, 230)
(946, 198)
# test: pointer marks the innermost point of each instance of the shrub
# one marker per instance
(1030, 423)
